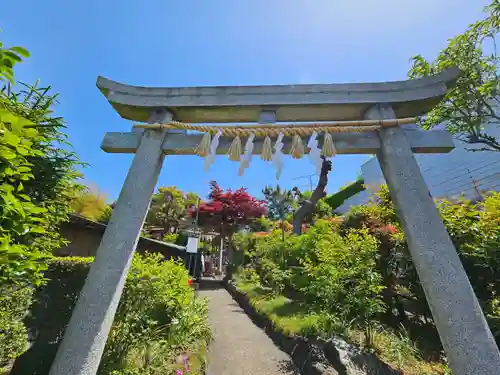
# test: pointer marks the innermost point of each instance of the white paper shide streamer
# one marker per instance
(209, 160)
(277, 159)
(247, 155)
(315, 153)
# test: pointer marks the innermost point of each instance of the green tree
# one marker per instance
(37, 169)
(227, 212)
(37, 182)
(21, 221)
(105, 216)
(91, 203)
(473, 102)
(54, 168)
(168, 206)
(279, 205)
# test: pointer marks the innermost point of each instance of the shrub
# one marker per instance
(170, 238)
(249, 275)
(343, 278)
(261, 224)
(158, 317)
(156, 293)
(21, 221)
(14, 304)
(50, 177)
(50, 313)
(274, 276)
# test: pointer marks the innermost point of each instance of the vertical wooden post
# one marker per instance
(466, 337)
(85, 337)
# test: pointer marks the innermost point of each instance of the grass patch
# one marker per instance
(294, 317)
(291, 317)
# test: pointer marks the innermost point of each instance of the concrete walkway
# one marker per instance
(239, 347)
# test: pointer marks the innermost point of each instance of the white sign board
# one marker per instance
(192, 245)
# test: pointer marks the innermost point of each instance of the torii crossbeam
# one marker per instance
(468, 342)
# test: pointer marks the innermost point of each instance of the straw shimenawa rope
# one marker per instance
(261, 130)
(328, 149)
(296, 130)
(204, 146)
(297, 149)
(267, 151)
(235, 149)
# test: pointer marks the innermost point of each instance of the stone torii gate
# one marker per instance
(467, 340)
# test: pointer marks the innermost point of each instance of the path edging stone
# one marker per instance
(313, 355)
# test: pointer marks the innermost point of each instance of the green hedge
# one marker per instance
(157, 319)
(336, 200)
(14, 302)
(50, 313)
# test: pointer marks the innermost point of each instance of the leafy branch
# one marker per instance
(472, 103)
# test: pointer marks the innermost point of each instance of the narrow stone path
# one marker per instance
(239, 347)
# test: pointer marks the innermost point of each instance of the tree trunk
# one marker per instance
(230, 257)
(309, 205)
(230, 253)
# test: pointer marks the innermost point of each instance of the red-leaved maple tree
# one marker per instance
(227, 211)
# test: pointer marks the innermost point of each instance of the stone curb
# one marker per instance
(313, 356)
(309, 358)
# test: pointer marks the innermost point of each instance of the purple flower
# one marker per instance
(179, 372)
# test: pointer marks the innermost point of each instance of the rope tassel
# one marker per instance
(297, 149)
(204, 146)
(267, 151)
(235, 149)
(328, 149)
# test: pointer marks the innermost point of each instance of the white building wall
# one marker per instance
(451, 175)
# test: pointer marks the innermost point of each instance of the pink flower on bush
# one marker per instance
(183, 360)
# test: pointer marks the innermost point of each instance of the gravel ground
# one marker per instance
(239, 347)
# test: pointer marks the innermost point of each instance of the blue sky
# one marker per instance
(217, 42)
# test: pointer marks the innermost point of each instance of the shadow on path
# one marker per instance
(210, 284)
(239, 347)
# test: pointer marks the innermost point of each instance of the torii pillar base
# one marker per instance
(465, 335)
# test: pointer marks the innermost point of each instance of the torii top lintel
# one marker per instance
(325, 102)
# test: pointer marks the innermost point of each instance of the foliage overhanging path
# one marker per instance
(239, 347)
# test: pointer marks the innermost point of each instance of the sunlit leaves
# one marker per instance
(169, 206)
(20, 218)
(8, 59)
(473, 102)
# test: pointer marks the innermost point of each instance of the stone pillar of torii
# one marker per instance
(469, 345)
